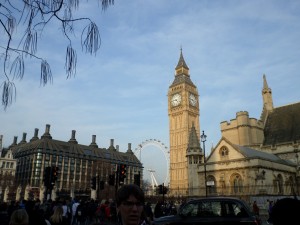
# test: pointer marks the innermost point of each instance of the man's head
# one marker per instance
(130, 201)
(129, 189)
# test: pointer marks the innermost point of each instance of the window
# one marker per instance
(237, 184)
(234, 209)
(87, 152)
(190, 209)
(278, 184)
(210, 209)
(224, 151)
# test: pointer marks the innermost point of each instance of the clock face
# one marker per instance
(176, 99)
(193, 100)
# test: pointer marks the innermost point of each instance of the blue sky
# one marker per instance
(121, 93)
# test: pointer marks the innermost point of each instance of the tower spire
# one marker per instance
(181, 67)
(265, 85)
(267, 99)
(267, 95)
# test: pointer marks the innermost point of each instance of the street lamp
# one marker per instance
(203, 140)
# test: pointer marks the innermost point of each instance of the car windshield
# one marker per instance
(214, 208)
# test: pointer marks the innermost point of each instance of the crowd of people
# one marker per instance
(129, 208)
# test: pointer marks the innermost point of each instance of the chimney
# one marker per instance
(14, 142)
(1, 137)
(47, 132)
(35, 137)
(73, 139)
(93, 144)
(23, 139)
(129, 148)
(111, 147)
(117, 148)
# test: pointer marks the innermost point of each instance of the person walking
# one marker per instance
(149, 212)
(270, 219)
(74, 210)
(255, 208)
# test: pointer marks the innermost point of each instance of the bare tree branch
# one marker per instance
(8, 93)
(34, 16)
(71, 61)
(92, 41)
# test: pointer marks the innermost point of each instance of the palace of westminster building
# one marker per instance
(254, 157)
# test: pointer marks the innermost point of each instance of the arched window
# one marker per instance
(291, 186)
(278, 184)
(224, 152)
(237, 184)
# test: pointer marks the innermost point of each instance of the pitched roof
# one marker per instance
(252, 153)
(283, 125)
(181, 62)
(182, 78)
(72, 149)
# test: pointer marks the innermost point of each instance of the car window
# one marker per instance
(234, 209)
(190, 209)
(209, 209)
(202, 209)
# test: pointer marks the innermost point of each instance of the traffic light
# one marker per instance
(101, 185)
(160, 189)
(137, 178)
(54, 174)
(51, 176)
(111, 180)
(93, 183)
(47, 174)
(165, 190)
(122, 172)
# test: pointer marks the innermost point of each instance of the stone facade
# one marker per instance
(183, 108)
(77, 164)
(253, 157)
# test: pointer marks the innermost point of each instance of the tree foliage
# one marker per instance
(34, 16)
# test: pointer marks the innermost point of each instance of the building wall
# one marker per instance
(256, 175)
(77, 165)
(243, 130)
(7, 172)
(181, 119)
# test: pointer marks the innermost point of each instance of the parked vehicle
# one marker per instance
(212, 211)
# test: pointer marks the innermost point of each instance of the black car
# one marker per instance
(212, 211)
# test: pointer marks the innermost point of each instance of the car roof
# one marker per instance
(215, 198)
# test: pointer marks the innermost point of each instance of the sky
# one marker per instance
(121, 92)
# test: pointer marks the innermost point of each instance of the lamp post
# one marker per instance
(203, 140)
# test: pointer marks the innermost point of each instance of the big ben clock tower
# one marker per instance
(183, 110)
